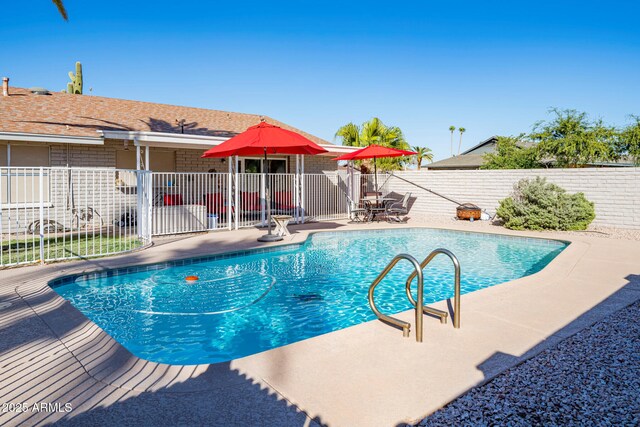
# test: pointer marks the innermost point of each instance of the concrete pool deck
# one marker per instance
(365, 375)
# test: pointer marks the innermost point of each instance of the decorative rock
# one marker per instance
(591, 378)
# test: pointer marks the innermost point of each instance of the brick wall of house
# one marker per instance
(614, 191)
(186, 160)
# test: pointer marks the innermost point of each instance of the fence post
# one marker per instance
(230, 206)
(263, 198)
(296, 191)
(41, 228)
(149, 210)
(139, 189)
(237, 195)
(302, 187)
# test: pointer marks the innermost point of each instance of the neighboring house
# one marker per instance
(470, 159)
(473, 158)
(38, 128)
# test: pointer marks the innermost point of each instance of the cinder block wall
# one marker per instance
(615, 191)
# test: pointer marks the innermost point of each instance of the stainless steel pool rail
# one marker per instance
(406, 326)
(418, 267)
(456, 288)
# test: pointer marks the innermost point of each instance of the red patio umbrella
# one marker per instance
(263, 139)
(374, 151)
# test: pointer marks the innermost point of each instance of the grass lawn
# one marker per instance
(28, 250)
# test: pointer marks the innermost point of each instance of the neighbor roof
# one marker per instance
(461, 161)
(492, 139)
(83, 115)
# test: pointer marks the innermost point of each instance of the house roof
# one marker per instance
(481, 144)
(461, 161)
(83, 115)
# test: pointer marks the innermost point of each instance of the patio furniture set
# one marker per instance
(374, 207)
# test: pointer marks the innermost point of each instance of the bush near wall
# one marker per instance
(539, 205)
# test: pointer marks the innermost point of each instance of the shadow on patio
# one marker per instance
(499, 362)
(111, 386)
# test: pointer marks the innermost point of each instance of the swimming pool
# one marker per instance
(251, 301)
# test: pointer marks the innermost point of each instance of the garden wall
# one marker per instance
(615, 191)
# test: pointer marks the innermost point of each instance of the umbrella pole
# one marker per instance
(267, 190)
(375, 178)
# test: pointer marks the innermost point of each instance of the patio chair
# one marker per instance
(282, 203)
(216, 204)
(395, 209)
(250, 204)
(357, 214)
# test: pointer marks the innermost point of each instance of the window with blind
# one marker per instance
(20, 184)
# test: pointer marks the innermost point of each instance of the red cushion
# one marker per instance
(215, 203)
(251, 201)
(283, 199)
(172, 199)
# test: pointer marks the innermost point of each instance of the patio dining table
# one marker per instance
(376, 205)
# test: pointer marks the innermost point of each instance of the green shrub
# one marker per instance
(538, 205)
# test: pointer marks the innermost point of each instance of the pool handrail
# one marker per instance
(456, 298)
(406, 326)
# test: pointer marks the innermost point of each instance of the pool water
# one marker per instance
(253, 301)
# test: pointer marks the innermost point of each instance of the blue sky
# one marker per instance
(491, 67)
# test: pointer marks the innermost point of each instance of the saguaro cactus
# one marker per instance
(75, 85)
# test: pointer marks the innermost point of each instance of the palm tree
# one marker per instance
(461, 130)
(452, 129)
(422, 153)
(375, 132)
(61, 9)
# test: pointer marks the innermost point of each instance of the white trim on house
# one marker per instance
(180, 140)
(56, 139)
(164, 139)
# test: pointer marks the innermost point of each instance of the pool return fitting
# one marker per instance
(418, 267)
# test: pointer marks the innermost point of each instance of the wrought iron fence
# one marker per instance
(49, 214)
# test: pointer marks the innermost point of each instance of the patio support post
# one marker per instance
(230, 206)
(137, 145)
(146, 158)
(302, 186)
(237, 195)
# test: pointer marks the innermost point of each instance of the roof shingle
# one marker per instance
(83, 115)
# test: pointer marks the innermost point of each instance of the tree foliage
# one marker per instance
(375, 132)
(538, 205)
(572, 140)
(512, 152)
(629, 141)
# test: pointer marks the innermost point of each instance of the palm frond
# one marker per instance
(61, 9)
(349, 135)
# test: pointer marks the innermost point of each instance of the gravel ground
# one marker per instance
(592, 378)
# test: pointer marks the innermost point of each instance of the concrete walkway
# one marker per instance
(369, 375)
